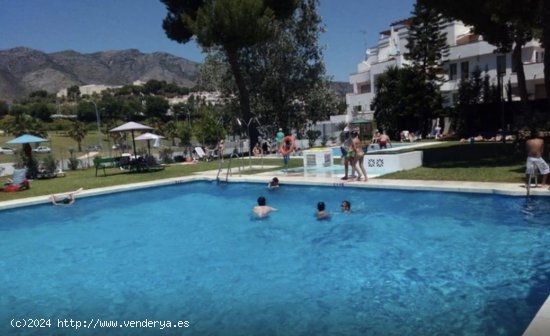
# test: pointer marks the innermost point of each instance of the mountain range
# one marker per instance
(24, 70)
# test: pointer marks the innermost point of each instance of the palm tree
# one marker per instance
(78, 132)
(170, 130)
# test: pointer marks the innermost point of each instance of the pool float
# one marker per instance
(287, 145)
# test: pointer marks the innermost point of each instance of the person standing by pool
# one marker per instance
(286, 148)
(262, 210)
(535, 148)
(359, 155)
(221, 147)
(279, 138)
(348, 153)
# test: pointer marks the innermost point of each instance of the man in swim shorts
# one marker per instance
(262, 210)
(384, 140)
(535, 148)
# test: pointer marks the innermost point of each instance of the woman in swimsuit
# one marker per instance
(359, 155)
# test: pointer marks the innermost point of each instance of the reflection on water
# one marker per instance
(536, 210)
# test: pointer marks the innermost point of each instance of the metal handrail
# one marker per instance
(233, 154)
(533, 171)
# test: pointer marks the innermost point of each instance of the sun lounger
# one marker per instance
(201, 154)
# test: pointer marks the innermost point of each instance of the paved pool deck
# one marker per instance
(538, 327)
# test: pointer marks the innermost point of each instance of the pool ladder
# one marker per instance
(228, 172)
(529, 179)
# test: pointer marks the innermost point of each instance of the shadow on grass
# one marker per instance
(472, 156)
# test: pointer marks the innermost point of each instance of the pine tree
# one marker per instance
(427, 43)
(427, 46)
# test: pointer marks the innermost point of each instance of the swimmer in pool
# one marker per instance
(262, 210)
(346, 206)
(321, 212)
(64, 199)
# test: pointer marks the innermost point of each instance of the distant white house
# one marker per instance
(210, 98)
(88, 89)
(467, 51)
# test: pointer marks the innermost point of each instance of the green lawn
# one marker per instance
(482, 162)
(86, 178)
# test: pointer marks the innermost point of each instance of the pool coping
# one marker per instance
(507, 189)
(537, 327)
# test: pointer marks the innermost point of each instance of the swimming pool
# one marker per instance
(403, 263)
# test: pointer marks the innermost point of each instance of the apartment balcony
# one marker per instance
(363, 116)
(533, 71)
(360, 77)
(363, 100)
(462, 51)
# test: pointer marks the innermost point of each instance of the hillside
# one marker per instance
(23, 70)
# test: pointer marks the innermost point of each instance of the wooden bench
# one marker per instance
(102, 163)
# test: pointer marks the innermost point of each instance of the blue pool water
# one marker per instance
(402, 263)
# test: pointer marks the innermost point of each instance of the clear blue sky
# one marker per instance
(89, 26)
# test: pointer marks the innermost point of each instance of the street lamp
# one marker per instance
(98, 122)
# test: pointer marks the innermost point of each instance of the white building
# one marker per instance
(89, 89)
(467, 51)
(209, 98)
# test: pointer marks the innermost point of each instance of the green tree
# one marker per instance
(170, 131)
(387, 103)
(153, 86)
(41, 110)
(185, 133)
(287, 74)
(395, 108)
(214, 74)
(208, 130)
(156, 107)
(85, 111)
(4, 108)
(427, 45)
(61, 124)
(112, 108)
(230, 26)
(73, 93)
(22, 122)
(39, 94)
(78, 132)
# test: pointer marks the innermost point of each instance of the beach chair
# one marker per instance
(201, 154)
